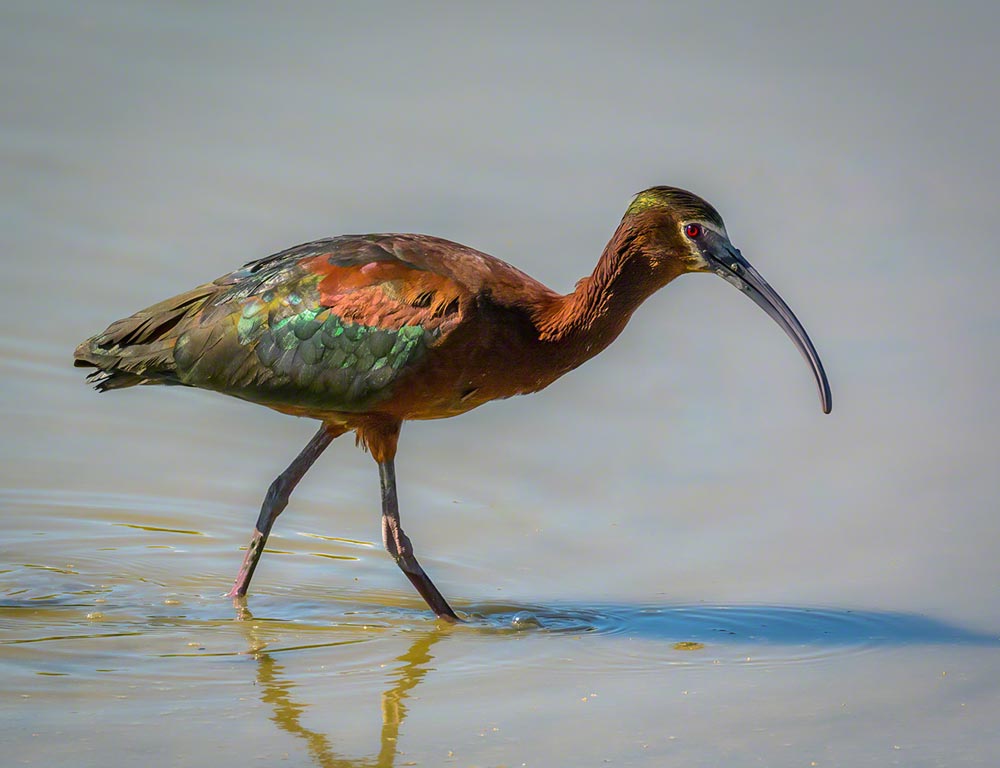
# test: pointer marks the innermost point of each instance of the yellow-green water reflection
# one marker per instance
(278, 692)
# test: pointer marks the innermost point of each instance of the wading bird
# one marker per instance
(363, 332)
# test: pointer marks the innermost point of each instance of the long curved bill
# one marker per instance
(728, 263)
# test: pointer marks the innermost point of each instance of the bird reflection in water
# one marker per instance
(277, 689)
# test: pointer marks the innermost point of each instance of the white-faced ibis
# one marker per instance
(363, 332)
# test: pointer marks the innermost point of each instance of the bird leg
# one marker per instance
(275, 502)
(397, 543)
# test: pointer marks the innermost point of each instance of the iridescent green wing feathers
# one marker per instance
(329, 325)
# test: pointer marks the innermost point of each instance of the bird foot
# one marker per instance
(240, 606)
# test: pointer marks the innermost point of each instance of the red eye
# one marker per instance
(692, 231)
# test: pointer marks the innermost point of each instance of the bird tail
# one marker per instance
(139, 349)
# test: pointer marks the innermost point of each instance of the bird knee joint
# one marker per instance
(278, 491)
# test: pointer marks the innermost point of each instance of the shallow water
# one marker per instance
(670, 556)
(125, 640)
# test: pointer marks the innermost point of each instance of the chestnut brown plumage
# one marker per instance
(364, 332)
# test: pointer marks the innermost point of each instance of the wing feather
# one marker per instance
(330, 325)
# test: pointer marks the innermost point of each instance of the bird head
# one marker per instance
(683, 233)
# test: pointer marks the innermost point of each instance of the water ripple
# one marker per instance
(768, 634)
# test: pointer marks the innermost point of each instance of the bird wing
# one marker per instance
(329, 325)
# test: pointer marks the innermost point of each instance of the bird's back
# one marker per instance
(342, 325)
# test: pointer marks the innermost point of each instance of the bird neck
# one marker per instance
(592, 316)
